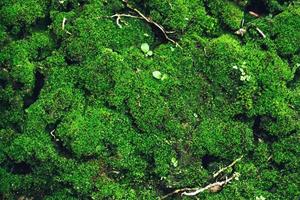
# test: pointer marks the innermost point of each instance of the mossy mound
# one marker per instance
(136, 99)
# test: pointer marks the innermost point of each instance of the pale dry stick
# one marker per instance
(150, 21)
(212, 185)
(63, 23)
(52, 134)
(194, 191)
(118, 16)
(260, 32)
(254, 14)
(224, 168)
(63, 26)
(178, 191)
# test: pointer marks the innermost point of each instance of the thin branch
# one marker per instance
(63, 26)
(63, 23)
(254, 14)
(118, 16)
(52, 134)
(219, 184)
(260, 32)
(225, 168)
(150, 21)
(213, 187)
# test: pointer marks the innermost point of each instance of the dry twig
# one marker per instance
(147, 19)
(218, 184)
(118, 16)
(254, 14)
(224, 168)
(213, 187)
(260, 32)
(63, 26)
(52, 134)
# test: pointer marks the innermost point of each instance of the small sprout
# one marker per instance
(157, 75)
(195, 115)
(237, 176)
(244, 76)
(145, 47)
(174, 162)
(146, 34)
(242, 71)
(172, 49)
(149, 53)
(165, 76)
(260, 198)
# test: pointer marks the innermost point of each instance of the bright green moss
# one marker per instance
(226, 53)
(175, 14)
(275, 6)
(227, 12)
(287, 151)
(223, 139)
(87, 114)
(21, 13)
(286, 31)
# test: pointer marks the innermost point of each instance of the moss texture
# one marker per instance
(84, 116)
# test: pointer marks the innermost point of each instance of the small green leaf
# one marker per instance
(145, 47)
(157, 74)
(174, 162)
(165, 76)
(149, 53)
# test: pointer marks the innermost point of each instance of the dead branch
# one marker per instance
(254, 14)
(118, 18)
(260, 32)
(63, 23)
(52, 134)
(225, 168)
(63, 26)
(213, 187)
(219, 184)
(147, 19)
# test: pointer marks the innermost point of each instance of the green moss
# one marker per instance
(286, 31)
(22, 13)
(227, 12)
(175, 14)
(84, 114)
(215, 138)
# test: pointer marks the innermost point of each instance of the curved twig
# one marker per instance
(147, 19)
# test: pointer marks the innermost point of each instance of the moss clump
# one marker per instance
(229, 14)
(20, 15)
(286, 31)
(87, 114)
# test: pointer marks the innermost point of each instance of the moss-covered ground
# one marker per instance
(95, 105)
